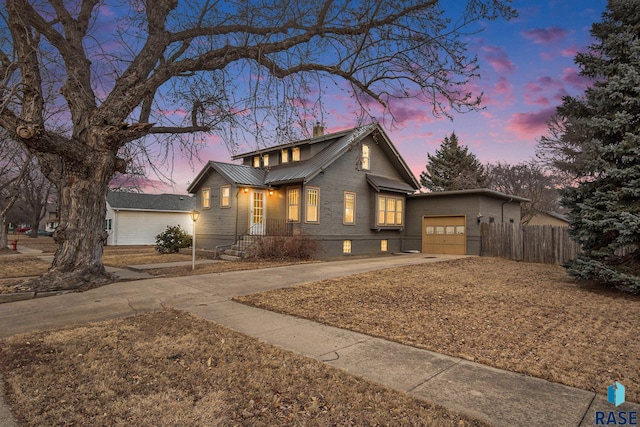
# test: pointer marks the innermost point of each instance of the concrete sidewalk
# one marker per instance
(500, 397)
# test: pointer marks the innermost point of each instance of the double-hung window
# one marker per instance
(206, 198)
(366, 157)
(293, 204)
(225, 196)
(349, 217)
(312, 210)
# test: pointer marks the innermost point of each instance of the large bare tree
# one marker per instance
(122, 66)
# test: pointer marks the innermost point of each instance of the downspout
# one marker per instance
(115, 227)
(502, 207)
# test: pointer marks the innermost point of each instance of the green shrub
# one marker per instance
(299, 247)
(172, 240)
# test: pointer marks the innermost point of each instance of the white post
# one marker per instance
(194, 218)
(193, 248)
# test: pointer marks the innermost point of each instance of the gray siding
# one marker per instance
(450, 205)
(215, 225)
(345, 175)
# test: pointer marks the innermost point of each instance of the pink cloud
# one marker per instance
(542, 90)
(532, 124)
(497, 57)
(501, 93)
(573, 78)
(571, 51)
(545, 35)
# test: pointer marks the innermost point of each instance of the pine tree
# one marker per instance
(453, 167)
(605, 159)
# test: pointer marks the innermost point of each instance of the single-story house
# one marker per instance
(351, 191)
(136, 219)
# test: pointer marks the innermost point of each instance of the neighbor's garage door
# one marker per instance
(444, 235)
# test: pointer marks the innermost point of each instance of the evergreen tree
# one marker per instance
(605, 157)
(453, 167)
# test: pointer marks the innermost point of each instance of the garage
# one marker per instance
(444, 235)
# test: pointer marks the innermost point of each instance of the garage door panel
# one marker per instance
(444, 235)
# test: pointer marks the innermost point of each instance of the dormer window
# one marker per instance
(366, 164)
(295, 154)
(265, 160)
(284, 156)
(256, 161)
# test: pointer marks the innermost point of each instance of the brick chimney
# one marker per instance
(318, 130)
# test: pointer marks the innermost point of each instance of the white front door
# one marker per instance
(256, 213)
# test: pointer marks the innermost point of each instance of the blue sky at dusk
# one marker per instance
(526, 66)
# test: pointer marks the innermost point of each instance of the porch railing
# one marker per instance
(278, 227)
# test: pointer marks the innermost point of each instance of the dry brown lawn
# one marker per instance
(14, 269)
(528, 318)
(22, 266)
(173, 369)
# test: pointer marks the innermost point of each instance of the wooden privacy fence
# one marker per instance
(545, 244)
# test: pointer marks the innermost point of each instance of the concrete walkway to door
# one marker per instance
(500, 397)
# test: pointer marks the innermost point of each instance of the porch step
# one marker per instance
(229, 257)
(233, 252)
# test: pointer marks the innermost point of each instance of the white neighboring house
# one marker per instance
(136, 219)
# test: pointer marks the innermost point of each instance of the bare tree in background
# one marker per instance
(231, 65)
(35, 190)
(526, 179)
(13, 169)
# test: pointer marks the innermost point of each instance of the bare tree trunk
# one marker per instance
(4, 228)
(80, 235)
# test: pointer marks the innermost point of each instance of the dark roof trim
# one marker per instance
(150, 202)
(475, 191)
(232, 173)
(382, 183)
(315, 140)
(403, 165)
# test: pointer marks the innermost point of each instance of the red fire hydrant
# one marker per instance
(15, 245)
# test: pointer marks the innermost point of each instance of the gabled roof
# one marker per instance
(474, 191)
(304, 171)
(150, 202)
